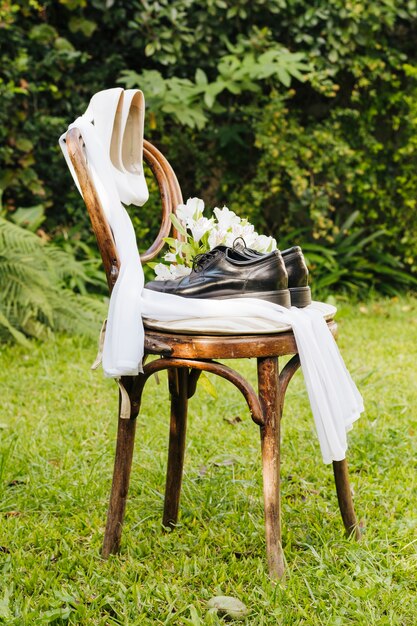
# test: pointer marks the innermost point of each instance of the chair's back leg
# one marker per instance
(344, 496)
(269, 396)
(120, 485)
(178, 386)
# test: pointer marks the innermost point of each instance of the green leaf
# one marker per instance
(283, 76)
(30, 218)
(170, 241)
(200, 77)
(209, 99)
(43, 33)
(333, 56)
(24, 144)
(81, 24)
(63, 45)
(178, 225)
(232, 12)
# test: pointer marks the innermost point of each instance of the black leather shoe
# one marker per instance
(296, 268)
(225, 273)
(297, 276)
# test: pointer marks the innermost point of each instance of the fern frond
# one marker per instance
(14, 237)
(34, 300)
(8, 331)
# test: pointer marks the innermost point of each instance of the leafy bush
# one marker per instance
(357, 262)
(295, 114)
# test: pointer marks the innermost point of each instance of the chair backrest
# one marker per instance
(169, 190)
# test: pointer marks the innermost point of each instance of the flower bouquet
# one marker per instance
(203, 234)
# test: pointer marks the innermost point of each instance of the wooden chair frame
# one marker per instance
(185, 357)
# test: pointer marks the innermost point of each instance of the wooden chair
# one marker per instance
(185, 357)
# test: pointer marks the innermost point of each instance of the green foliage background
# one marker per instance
(300, 114)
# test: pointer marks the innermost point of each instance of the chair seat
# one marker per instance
(188, 346)
(234, 325)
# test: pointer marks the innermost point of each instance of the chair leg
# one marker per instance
(120, 485)
(344, 496)
(178, 385)
(269, 396)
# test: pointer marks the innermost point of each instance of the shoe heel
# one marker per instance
(282, 297)
(300, 296)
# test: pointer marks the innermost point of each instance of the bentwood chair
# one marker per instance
(185, 357)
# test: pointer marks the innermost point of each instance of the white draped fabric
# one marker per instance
(334, 398)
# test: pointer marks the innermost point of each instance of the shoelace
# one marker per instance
(239, 244)
(200, 261)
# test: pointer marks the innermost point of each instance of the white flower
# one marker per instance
(223, 228)
(216, 237)
(200, 227)
(246, 232)
(176, 254)
(226, 218)
(162, 272)
(178, 271)
(178, 245)
(193, 209)
(264, 244)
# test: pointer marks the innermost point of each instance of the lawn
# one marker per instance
(57, 435)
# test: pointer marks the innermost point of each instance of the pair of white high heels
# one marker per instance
(118, 116)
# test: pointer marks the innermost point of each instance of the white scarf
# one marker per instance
(334, 398)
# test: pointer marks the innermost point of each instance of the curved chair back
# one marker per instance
(169, 191)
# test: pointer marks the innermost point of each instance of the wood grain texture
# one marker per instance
(224, 347)
(120, 486)
(213, 367)
(285, 377)
(169, 191)
(344, 497)
(102, 231)
(175, 190)
(176, 445)
(268, 386)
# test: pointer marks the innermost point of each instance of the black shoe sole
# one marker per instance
(282, 297)
(300, 296)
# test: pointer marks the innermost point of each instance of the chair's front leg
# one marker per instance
(121, 477)
(178, 386)
(269, 396)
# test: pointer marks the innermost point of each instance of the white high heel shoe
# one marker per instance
(101, 112)
(131, 145)
(119, 119)
(105, 111)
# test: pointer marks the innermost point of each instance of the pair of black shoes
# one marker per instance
(239, 272)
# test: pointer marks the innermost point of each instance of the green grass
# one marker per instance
(57, 435)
